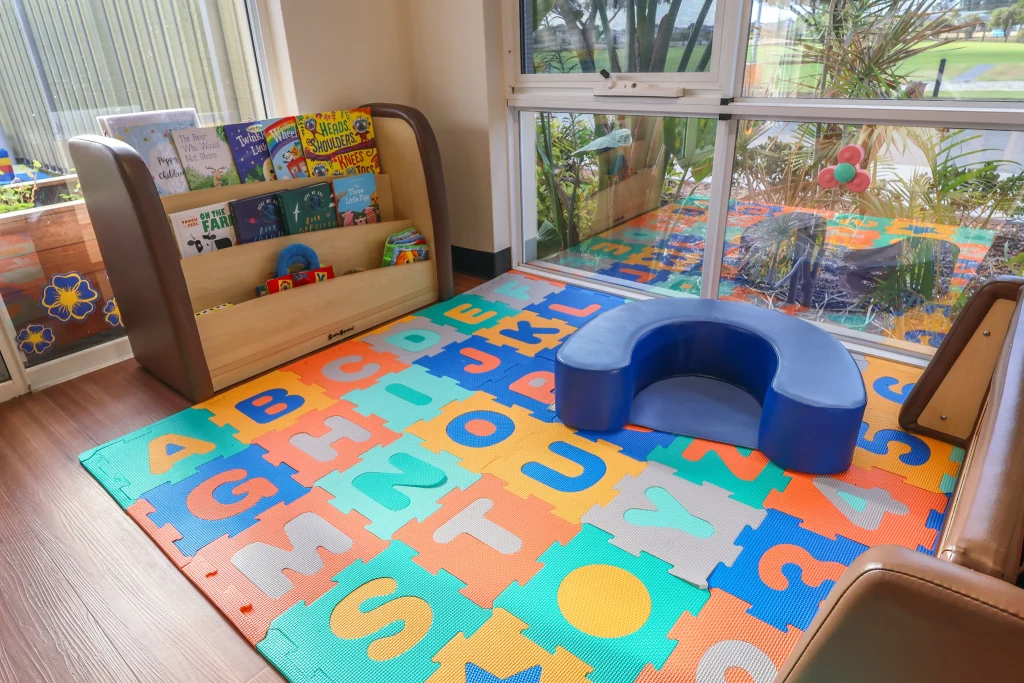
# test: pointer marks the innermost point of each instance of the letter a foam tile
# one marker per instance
(486, 537)
(223, 497)
(569, 472)
(384, 621)
(500, 650)
(468, 313)
(784, 571)
(346, 367)
(872, 507)
(723, 637)
(274, 401)
(607, 607)
(324, 441)
(288, 556)
(407, 397)
(163, 453)
(528, 333)
(396, 483)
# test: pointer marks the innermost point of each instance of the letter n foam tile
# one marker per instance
(274, 401)
(569, 472)
(163, 453)
(396, 483)
(407, 397)
(723, 637)
(486, 537)
(499, 649)
(223, 497)
(324, 441)
(607, 607)
(872, 507)
(477, 430)
(528, 333)
(346, 367)
(288, 556)
(384, 621)
(468, 313)
(922, 462)
(784, 571)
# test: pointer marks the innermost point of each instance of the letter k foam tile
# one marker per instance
(528, 333)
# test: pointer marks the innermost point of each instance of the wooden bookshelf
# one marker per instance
(159, 293)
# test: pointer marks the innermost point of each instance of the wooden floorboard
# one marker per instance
(84, 594)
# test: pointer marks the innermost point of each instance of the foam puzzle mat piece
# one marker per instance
(635, 441)
(691, 527)
(528, 333)
(383, 621)
(529, 385)
(575, 306)
(517, 290)
(346, 367)
(486, 537)
(397, 483)
(413, 337)
(723, 637)
(921, 461)
(163, 453)
(289, 555)
(223, 497)
(165, 536)
(785, 571)
(324, 441)
(407, 397)
(468, 313)
(499, 650)
(605, 606)
(473, 362)
(569, 472)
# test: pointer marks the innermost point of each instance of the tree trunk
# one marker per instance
(664, 38)
(691, 42)
(609, 38)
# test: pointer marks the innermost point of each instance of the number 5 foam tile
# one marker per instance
(872, 507)
(324, 441)
(923, 462)
(274, 401)
(722, 641)
(346, 367)
(468, 313)
(486, 537)
(528, 333)
(290, 555)
(566, 470)
(499, 652)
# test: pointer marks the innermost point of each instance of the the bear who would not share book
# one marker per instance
(286, 154)
(206, 157)
(249, 149)
(308, 209)
(258, 218)
(356, 198)
(339, 143)
(202, 230)
(149, 133)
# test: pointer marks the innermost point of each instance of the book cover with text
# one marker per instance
(258, 218)
(250, 152)
(150, 134)
(308, 209)
(339, 143)
(356, 199)
(202, 230)
(286, 153)
(206, 157)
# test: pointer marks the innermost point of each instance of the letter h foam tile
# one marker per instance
(383, 621)
(288, 556)
(346, 367)
(486, 537)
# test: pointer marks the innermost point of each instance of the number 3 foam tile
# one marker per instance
(528, 333)
(346, 367)
(723, 637)
(923, 462)
(499, 652)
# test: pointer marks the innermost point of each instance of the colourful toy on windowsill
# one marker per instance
(297, 266)
(847, 172)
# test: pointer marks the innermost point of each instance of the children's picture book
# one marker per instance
(202, 230)
(339, 143)
(356, 199)
(150, 134)
(308, 209)
(249, 149)
(408, 246)
(258, 218)
(206, 157)
(286, 154)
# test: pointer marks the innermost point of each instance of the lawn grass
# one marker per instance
(1008, 59)
(675, 55)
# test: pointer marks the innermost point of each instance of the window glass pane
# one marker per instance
(884, 230)
(620, 198)
(629, 36)
(64, 64)
(887, 49)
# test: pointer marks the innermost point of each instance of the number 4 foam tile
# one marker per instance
(499, 653)
(723, 637)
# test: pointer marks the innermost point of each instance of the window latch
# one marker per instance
(625, 87)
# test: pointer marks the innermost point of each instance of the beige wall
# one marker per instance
(443, 57)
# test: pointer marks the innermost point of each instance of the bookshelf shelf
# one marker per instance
(158, 292)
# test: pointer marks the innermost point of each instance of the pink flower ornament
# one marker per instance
(847, 172)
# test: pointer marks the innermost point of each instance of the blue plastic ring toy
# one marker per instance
(296, 254)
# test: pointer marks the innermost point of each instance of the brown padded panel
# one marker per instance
(985, 526)
(900, 616)
(142, 262)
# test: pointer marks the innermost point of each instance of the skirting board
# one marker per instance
(481, 263)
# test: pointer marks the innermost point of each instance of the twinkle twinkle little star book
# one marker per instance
(308, 209)
(286, 153)
(249, 149)
(339, 143)
(206, 157)
(150, 134)
(202, 230)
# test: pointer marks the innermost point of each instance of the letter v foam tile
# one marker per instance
(288, 556)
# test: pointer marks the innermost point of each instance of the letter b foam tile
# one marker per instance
(407, 397)
(486, 537)
(288, 556)
(384, 621)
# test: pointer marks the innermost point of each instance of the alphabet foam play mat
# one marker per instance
(406, 506)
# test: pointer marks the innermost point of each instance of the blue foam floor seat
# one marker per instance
(717, 370)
